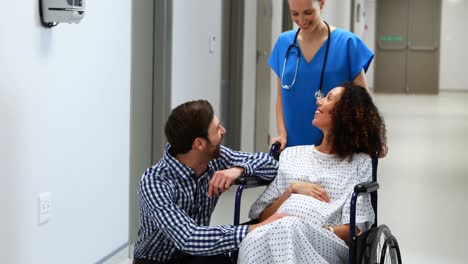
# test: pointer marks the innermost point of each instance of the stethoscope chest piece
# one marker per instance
(318, 95)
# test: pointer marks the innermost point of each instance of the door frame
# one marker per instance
(232, 70)
(150, 94)
(263, 87)
(410, 79)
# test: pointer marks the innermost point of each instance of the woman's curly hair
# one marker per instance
(357, 124)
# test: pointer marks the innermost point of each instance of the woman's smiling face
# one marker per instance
(323, 114)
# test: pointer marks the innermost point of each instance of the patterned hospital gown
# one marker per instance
(300, 236)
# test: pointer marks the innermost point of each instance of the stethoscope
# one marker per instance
(319, 93)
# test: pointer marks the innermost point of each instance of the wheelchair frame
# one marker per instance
(360, 247)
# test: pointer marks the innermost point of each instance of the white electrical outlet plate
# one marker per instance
(45, 206)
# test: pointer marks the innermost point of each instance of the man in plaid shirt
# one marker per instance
(178, 194)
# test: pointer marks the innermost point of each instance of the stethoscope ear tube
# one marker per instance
(285, 86)
(319, 93)
(288, 50)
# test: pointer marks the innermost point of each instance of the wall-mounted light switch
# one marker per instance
(212, 43)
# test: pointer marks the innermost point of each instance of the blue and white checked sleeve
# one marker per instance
(255, 164)
(182, 230)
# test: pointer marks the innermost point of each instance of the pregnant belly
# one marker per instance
(309, 209)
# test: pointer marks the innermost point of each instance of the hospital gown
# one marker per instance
(300, 236)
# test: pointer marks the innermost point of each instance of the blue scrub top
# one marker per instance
(347, 56)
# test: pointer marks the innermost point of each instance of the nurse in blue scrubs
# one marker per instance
(309, 62)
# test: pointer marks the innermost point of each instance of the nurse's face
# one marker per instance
(306, 13)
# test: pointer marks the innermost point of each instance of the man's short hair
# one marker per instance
(187, 122)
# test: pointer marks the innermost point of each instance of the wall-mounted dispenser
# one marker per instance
(59, 11)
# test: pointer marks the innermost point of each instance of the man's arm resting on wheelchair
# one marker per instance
(235, 164)
(299, 187)
(223, 179)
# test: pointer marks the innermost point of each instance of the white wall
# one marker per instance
(338, 13)
(196, 73)
(64, 110)
(453, 51)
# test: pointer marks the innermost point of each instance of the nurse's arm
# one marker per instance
(282, 133)
(361, 80)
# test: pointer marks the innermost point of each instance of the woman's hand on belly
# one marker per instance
(310, 189)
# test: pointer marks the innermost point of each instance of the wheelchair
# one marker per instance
(377, 245)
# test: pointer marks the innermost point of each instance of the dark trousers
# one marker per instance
(217, 259)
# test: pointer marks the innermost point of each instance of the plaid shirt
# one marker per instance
(175, 209)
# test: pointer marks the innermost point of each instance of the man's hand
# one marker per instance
(310, 189)
(270, 219)
(222, 180)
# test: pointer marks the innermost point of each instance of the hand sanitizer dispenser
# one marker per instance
(59, 11)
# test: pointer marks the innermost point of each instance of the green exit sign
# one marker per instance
(391, 38)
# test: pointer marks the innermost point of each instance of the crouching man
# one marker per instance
(178, 194)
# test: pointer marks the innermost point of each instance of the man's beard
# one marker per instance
(214, 151)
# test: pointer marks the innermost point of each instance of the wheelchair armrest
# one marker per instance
(252, 181)
(366, 187)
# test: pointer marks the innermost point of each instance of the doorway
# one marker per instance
(150, 93)
(407, 46)
(231, 70)
(262, 91)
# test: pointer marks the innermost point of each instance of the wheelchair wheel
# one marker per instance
(383, 246)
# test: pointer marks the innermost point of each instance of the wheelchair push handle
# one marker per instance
(274, 150)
